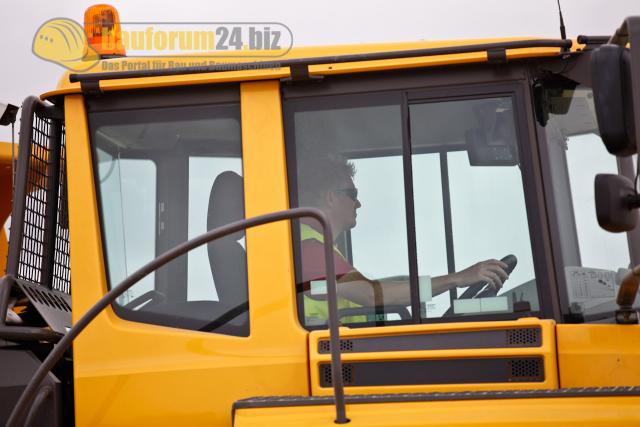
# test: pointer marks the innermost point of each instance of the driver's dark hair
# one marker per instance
(318, 175)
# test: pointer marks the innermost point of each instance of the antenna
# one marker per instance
(563, 33)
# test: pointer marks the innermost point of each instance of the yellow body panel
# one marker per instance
(270, 269)
(547, 350)
(130, 373)
(598, 355)
(6, 155)
(561, 412)
(65, 87)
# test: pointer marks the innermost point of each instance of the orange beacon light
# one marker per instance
(102, 25)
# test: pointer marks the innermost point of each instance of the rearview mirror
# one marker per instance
(616, 201)
(612, 95)
(494, 144)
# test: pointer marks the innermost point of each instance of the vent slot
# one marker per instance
(438, 371)
(529, 369)
(324, 346)
(492, 338)
(326, 378)
(523, 337)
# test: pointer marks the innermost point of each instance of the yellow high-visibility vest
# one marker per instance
(319, 309)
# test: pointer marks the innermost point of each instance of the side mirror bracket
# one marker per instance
(626, 314)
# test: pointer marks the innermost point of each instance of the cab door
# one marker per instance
(147, 170)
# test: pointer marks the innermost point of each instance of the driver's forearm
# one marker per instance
(359, 291)
(445, 283)
(357, 288)
(395, 292)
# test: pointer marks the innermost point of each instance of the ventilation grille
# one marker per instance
(324, 346)
(54, 306)
(45, 297)
(523, 337)
(529, 369)
(326, 379)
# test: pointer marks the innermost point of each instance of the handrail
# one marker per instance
(26, 398)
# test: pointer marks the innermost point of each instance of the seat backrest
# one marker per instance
(227, 257)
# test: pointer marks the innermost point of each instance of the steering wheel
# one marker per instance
(483, 289)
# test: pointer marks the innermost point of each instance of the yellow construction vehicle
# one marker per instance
(399, 235)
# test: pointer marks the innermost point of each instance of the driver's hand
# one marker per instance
(491, 271)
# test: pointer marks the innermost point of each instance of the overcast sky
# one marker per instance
(311, 22)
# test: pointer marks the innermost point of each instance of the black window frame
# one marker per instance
(442, 84)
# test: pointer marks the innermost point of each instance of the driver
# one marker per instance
(327, 184)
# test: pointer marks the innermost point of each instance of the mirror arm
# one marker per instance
(632, 201)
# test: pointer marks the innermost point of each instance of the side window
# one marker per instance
(129, 185)
(470, 203)
(348, 157)
(383, 201)
(425, 197)
(594, 260)
(165, 175)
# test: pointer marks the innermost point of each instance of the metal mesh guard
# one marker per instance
(32, 257)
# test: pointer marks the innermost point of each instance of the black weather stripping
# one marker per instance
(337, 59)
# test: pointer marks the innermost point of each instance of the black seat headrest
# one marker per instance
(226, 202)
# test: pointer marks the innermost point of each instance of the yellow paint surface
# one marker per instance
(598, 355)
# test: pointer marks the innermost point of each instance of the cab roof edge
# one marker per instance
(359, 57)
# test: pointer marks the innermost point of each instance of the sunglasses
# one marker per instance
(351, 193)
